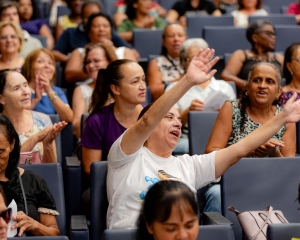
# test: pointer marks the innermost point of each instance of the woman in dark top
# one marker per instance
(181, 8)
(38, 216)
(262, 37)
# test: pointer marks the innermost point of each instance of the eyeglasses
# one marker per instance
(6, 214)
(296, 59)
(268, 33)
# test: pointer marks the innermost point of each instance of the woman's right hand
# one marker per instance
(38, 89)
(53, 133)
(196, 105)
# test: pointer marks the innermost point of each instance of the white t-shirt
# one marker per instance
(130, 177)
(241, 20)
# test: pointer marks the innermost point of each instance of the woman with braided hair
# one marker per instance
(257, 104)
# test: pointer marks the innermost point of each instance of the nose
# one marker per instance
(182, 234)
(262, 84)
(177, 123)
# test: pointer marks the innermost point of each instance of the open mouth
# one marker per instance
(175, 133)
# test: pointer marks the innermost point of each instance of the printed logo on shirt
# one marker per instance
(162, 176)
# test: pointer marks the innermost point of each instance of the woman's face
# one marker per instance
(249, 3)
(16, 93)
(265, 37)
(263, 87)
(192, 52)
(182, 224)
(95, 60)
(43, 64)
(9, 40)
(3, 223)
(294, 65)
(25, 9)
(76, 6)
(174, 37)
(132, 88)
(100, 30)
(143, 6)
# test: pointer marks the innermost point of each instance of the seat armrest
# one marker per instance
(214, 218)
(79, 229)
(72, 162)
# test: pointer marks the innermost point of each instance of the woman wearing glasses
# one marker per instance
(262, 37)
(291, 73)
(36, 207)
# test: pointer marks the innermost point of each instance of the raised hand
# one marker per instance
(291, 109)
(38, 89)
(198, 71)
(268, 149)
(45, 82)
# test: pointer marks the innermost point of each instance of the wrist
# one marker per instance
(52, 95)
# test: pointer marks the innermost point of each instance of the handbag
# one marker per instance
(30, 158)
(255, 223)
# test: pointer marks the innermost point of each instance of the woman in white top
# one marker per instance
(247, 8)
(166, 68)
(142, 155)
(99, 29)
(97, 56)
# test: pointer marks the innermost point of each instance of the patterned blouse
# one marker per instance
(249, 125)
(170, 68)
(285, 96)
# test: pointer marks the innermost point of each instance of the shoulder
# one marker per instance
(101, 114)
(33, 177)
(41, 119)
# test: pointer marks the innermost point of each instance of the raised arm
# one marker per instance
(228, 156)
(198, 72)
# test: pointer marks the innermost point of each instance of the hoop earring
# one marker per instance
(246, 93)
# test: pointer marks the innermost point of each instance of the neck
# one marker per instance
(260, 110)
(8, 58)
(173, 54)
(3, 178)
(140, 17)
(160, 151)
(126, 113)
(260, 52)
(16, 116)
(92, 84)
(294, 85)
(23, 20)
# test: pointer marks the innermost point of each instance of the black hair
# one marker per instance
(254, 27)
(112, 75)
(158, 204)
(130, 10)
(288, 55)
(93, 16)
(164, 51)
(90, 2)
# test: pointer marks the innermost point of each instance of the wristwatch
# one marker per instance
(53, 96)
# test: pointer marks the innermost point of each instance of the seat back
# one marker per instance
(276, 19)
(42, 238)
(283, 9)
(255, 183)
(52, 174)
(147, 41)
(226, 39)
(200, 127)
(109, 7)
(282, 41)
(99, 203)
(167, 4)
(211, 232)
(195, 23)
(55, 119)
(148, 96)
(283, 231)
(276, 5)
(63, 10)
(42, 39)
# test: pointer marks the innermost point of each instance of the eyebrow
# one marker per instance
(174, 224)
(173, 115)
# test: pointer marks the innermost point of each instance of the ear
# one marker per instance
(12, 146)
(288, 65)
(254, 37)
(279, 92)
(115, 89)
(2, 101)
(149, 228)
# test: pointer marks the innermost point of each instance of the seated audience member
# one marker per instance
(169, 211)
(39, 70)
(245, 9)
(142, 154)
(35, 129)
(73, 38)
(120, 11)
(32, 23)
(195, 98)
(124, 80)
(223, 5)
(138, 17)
(99, 29)
(97, 56)
(38, 216)
(11, 41)
(262, 37)
(167, 67)
(9, 12)
(291, 73)
(69, 21)
(5, 218)
(257, 105)
(183, 7)
(294, 9)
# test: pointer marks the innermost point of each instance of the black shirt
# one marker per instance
(184, 6)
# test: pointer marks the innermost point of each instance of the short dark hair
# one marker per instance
(289, 52)
(91, 2)
(259, 4)
(254, 27)
(158, 204)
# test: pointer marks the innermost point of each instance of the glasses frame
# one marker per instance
(4, 213)
(268, 33)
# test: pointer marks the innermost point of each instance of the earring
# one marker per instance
(246, 93)
(277, 98)
(291, 73)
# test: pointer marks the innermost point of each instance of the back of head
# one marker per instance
(288, 57)
(254, 27)
(159, 202)
(112, 75)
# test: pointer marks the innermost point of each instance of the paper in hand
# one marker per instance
(14, 210)
(214, 101)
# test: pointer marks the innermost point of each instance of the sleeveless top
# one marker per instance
(249, 125)
(250, 61)
(169, 67)
(86, 91)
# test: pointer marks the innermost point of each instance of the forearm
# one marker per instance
(59, 57)
(74, 75)
(29, 144)
(64, 111)
(240, 83)
(127, 36)
(49, 156)
(42, 230)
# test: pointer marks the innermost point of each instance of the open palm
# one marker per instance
(198, 71)
(292, 109)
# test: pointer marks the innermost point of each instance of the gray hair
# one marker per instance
(186, 45)
(277, 70)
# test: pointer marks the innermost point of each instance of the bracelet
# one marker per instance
(53, 96)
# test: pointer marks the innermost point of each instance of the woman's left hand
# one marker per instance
(24, 222)
(45, 81)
